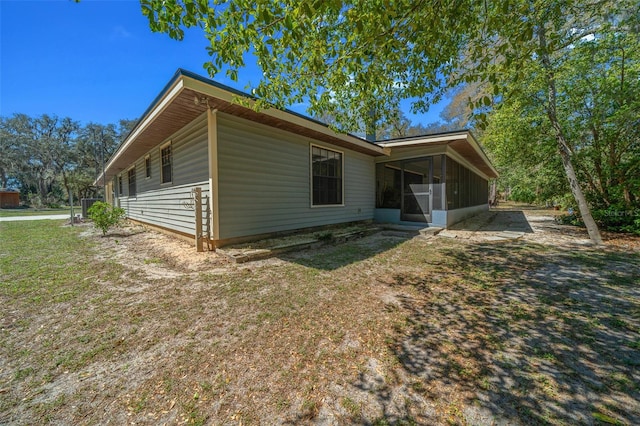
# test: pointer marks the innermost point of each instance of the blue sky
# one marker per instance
(97, 61)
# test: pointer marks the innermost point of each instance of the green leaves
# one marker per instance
(364, 53)
(105, 216)
(597, 85)
(347, 57)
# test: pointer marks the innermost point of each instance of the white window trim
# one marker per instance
(148, 157)
(163, 146)
(120, 184)
(321, 206)
(129, 184)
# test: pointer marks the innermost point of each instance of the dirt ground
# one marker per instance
(388, 329)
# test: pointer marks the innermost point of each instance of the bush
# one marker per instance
(105, 216)
(633, 228)
(570, 219)
(566, 201)
(326, 236)
(618, 219)
(35, 201)
(613, 218)
(523, 195)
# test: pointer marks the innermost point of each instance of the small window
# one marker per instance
(167, 160)
(147, 166)
(131, 175)
(326, 170)
(119, 186)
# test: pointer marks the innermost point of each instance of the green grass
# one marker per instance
(352, 407)
(329, 330)
(44, 263)
(45, 267)
(37, 212)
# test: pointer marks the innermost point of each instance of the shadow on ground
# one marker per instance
(496, 221)
(522, 334)
(335, 256)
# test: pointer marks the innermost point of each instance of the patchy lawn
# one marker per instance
(37, 212)
(139, 328)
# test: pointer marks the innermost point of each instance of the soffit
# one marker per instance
(182, 110)
(462, 143)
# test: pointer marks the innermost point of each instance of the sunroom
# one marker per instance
(434, 180)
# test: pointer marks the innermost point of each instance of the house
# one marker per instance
(275, 171)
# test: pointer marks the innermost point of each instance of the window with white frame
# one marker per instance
(147, 166)
(131, 178)
(166, 161)
(326, 172)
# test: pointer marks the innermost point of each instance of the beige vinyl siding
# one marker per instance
(264, 181)
(163, 204)
(170, 207)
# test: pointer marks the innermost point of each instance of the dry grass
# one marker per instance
(383, 330)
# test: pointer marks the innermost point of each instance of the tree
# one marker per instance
(351, 58)
(10, 147)
(62, 150)
(346, 59)
(47, 157)
(601, 100)
(96, 143)
(597, 89)
(521, 145)
(536, 50)
(459, 112)
(34, 151)
(124, 127)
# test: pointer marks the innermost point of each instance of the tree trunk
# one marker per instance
(493, 194)
(4, 181)
(585, 212)
(563, 146)
(42, 189)
(67, 186)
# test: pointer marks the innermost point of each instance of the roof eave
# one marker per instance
(185, 80)
(169, 92)
(445, 139)
(417, 140)
(211, 88)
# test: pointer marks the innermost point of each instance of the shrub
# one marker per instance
(566, 201)
(35, 201)
(618, 218)
(105, 216)
(522, 194)
(613, 218)
(326, 236)
(570, 219)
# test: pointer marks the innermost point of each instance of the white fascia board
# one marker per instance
(476, 146)
(146, 121)
(468, 136)
(424, 140)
